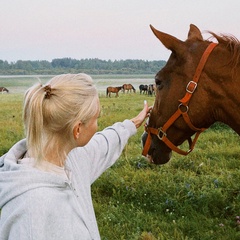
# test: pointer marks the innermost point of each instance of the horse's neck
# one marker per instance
(230, 101)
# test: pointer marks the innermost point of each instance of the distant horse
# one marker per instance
(128, 88)
(113, 90)
(143, 88)
(199, 85)
(3, 89)
(151, 89)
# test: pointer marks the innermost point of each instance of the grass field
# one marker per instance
(193, 197)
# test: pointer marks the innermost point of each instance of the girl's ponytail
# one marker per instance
(33, 120)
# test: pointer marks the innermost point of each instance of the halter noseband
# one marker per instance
(182, 110)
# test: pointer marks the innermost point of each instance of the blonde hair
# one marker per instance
(51, 112)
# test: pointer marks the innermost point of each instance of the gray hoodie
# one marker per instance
(39, 205)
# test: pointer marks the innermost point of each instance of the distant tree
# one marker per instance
(90, 66)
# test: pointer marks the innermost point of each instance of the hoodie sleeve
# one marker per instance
(105, 147)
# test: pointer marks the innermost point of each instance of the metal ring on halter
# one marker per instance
(186, 108)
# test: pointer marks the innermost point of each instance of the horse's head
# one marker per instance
(174, 83)
(134, 90)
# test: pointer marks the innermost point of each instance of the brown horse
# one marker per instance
(113, 90)
(3, 89)
(199, 85)
(128, 87)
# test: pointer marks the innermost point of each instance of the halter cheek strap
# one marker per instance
(182, 110)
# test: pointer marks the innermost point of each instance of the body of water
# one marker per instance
(19, 84)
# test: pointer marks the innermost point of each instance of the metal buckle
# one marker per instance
(191, 89)
(161, 134)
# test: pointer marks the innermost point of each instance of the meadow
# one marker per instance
(191, 197)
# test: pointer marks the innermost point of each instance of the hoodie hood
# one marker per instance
(16, 179)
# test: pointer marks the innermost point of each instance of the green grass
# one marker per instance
(11, 127)
(193, 197)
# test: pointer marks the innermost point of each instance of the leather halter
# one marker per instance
(182, 110)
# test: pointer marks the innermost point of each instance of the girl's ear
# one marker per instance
(77, 130)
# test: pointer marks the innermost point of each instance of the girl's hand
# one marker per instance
(139, 119)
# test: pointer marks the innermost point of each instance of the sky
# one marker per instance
(106, 29)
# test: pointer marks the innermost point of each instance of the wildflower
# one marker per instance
(216, 183)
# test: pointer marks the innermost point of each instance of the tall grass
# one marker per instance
(192, 197)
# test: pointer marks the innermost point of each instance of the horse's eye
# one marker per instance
(159, 85)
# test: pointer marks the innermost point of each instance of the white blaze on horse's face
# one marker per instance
(147, 120)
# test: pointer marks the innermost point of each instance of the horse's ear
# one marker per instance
(168, 41)
(194, 33)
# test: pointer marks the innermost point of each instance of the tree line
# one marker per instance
(89, 66)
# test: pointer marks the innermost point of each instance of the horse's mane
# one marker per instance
(232, 44)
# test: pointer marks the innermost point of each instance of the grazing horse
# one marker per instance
(143, 89)
(3, 89)
(199, 85)
(110, 90)
(128, 87)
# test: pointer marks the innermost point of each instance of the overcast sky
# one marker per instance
(105, 29)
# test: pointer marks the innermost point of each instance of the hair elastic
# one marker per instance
(47, 90)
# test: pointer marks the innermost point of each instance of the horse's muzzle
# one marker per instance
(158, 152)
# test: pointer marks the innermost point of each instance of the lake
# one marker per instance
(20, 83)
